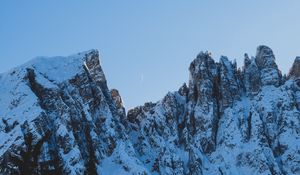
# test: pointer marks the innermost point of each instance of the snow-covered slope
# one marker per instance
(67, 96)
(225, 121)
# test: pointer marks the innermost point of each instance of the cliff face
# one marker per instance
(224, 121)
(67, 96)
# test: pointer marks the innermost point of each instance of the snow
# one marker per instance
(122, 162)
(240, 145)
(74, 156)
(59, 69)
(17, 101)
(17, 105)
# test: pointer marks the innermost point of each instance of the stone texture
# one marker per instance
(224, 121)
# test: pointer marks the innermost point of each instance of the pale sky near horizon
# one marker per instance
(146, 46)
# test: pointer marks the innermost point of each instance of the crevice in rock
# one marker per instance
(249, 127)
(217, 95)
(36, 88)
(92, 162)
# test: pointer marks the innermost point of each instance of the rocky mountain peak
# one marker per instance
(203, 63)
(247, 61)
(92, 63)
(265, 61)
(295, 70)
(202, 71)
(225, 121)
(67, 97)
(183, 90)
(265, 57)
(117, 97)
(118, 101)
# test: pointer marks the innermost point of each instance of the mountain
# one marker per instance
(59, 117)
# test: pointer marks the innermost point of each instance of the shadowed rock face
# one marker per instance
(265, 61)
(74, 104)
(225, 121)
(295, 70)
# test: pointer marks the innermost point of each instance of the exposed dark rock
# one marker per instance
(225, 121)
(295, 70)
(265, 61)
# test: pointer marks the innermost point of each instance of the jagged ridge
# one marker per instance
(225, 121)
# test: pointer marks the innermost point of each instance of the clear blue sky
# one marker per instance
(146, 46)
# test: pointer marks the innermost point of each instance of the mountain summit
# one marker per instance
(57, 116)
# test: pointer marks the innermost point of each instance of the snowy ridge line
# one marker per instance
(225, 120)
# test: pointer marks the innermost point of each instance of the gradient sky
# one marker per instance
(147, 46)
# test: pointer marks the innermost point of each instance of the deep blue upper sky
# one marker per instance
(146, 46)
